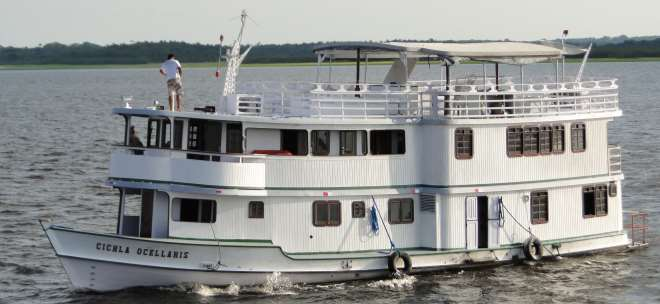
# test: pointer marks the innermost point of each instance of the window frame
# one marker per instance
(328, 223)
(392, 140)
(344, 140)
(578, 127)
(358, 209)
(560, 130)
(200, 209)
(316, 139)
(465, 136)
(233, 136)
(539, 200)
(256, 210)
(600, 200)
(304, 145)
(518, 132)
(545, 140)
(400, 201)
(531, 135)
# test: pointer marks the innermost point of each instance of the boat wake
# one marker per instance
(275, 285)
(207, 291)
(403, 282)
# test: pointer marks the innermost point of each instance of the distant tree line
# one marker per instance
(150, 52)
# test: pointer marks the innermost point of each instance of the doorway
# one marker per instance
(476, 222)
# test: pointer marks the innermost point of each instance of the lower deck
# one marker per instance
(413, 219)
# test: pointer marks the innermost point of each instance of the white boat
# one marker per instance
(331, 181)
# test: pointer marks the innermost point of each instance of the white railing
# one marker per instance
(462, 99)
(614, 159)
(190, 154)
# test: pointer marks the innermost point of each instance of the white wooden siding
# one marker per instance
(491, 165)
(565, 218)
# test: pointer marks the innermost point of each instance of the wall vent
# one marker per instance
(427, 202)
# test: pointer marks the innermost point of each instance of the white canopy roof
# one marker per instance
(501, 52)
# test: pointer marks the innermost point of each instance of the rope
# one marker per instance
(392, 246)
(213, 231)
(523, 227)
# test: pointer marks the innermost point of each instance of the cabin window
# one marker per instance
(558, 139)
(545, 140)
(194, 130)
(178, 134)
(388, 142)
(401, 211)
(256, 209)
(294, 141)
(613, 191)
(320, 142)
(578, 137)
(153, 130)
(514, 142)
(234, 138)
(347, 143)
(531, 141)
(539, 207)
(204, 135)
(463, 143)
(594, 201)
(194, 210)
(357, 209)
(326, 213)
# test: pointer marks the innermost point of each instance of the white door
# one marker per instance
(471, 223)
(494, 222)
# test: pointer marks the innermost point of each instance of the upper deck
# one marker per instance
(433, 100)
(477, 97)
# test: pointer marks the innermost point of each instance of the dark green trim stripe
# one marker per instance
(351, 188)
(269, 242)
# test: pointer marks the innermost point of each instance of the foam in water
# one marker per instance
(404, 282)
(206, 291)
(276, 284)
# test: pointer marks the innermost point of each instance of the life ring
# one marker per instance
(393, 260)
(533, 249)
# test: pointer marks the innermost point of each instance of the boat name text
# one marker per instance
(162, 253)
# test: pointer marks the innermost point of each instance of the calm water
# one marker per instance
(56, 133)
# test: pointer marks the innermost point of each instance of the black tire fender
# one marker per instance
(393, 259)
(533, 249)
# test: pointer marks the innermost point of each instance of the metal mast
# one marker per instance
(234, 59)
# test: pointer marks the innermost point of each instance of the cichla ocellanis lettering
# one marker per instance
(113, 248)
(161, 253)
(172, 254)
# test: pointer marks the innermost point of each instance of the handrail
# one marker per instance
(432, 99)
(219, 157)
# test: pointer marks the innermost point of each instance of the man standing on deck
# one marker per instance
(172, 71)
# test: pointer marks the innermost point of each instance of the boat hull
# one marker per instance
(106, 262)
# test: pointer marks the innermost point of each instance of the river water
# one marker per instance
(57, 131)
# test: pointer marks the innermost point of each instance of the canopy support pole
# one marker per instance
(120, 214)
(557, 71)
(447, 77)
(483, 67)
(404, 60)
(357, 68)
(330, 69)
(366, 66)
(497, 76)
(319, 61)
(447, 82)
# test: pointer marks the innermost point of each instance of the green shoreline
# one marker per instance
(279, 64)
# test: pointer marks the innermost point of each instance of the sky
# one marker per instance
(34, 22)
